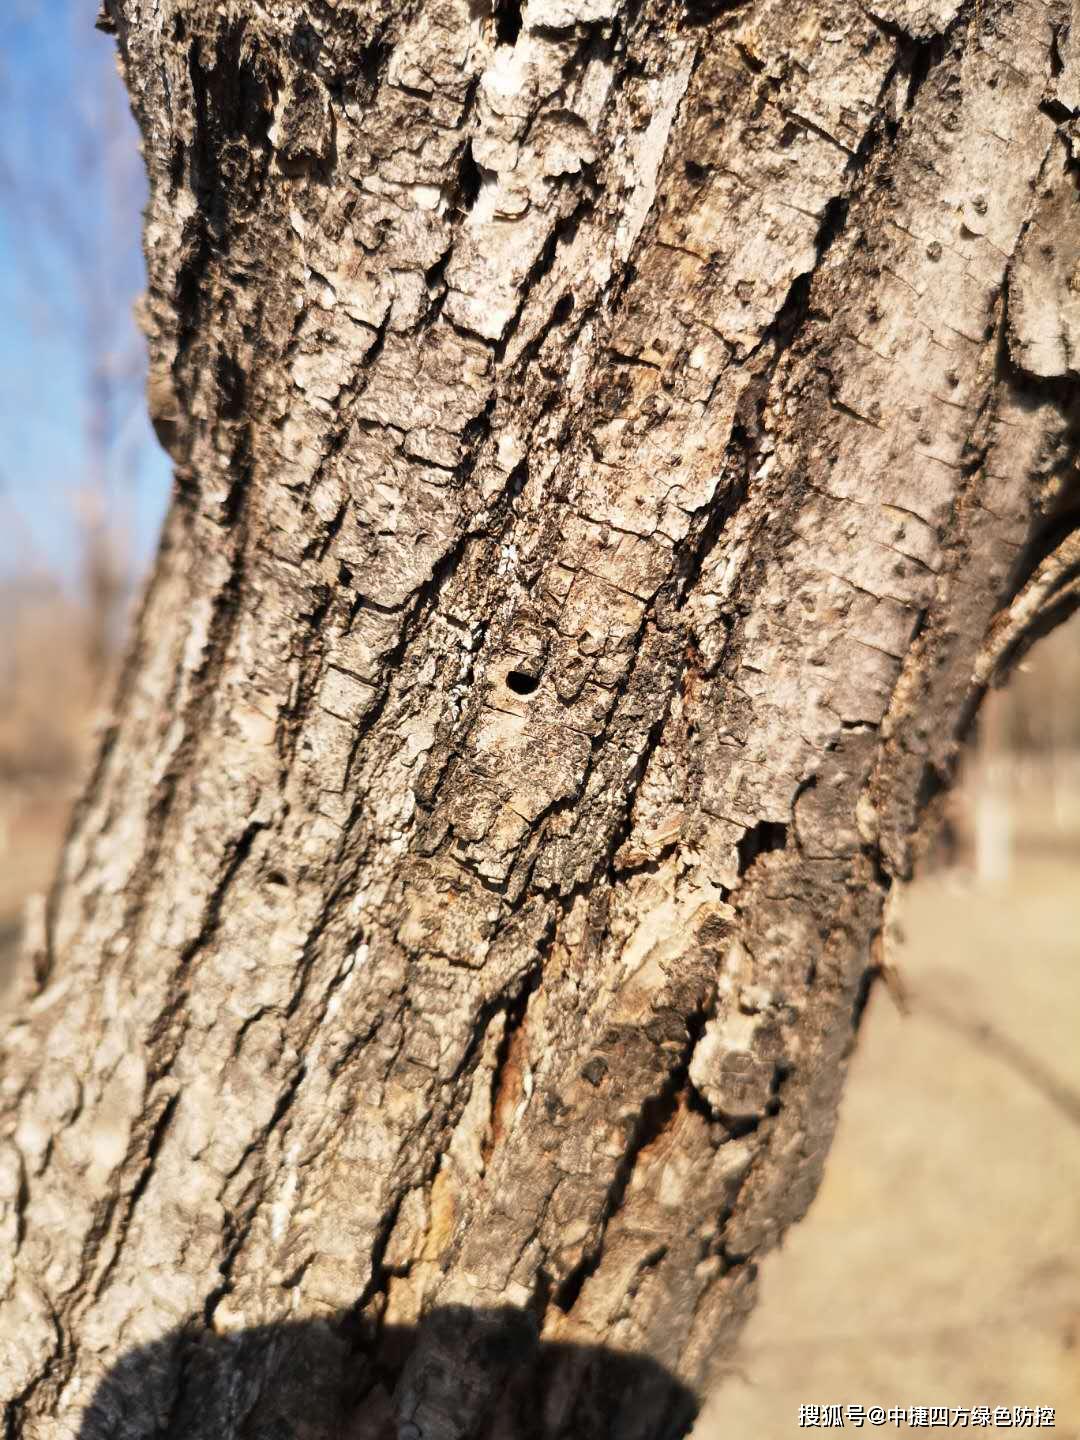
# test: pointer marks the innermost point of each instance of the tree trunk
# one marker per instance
(616, 442)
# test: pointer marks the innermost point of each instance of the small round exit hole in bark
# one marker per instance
(520, 683)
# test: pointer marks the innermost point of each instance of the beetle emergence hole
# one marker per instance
(520, 683)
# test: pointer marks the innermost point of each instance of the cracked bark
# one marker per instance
(616, 446)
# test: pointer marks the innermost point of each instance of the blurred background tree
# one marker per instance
(82, 479)
(71, 193)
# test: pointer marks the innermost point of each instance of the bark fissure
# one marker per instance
(616, 448)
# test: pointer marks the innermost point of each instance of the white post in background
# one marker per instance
(993, 799)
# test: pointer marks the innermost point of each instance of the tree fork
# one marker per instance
(616, 446)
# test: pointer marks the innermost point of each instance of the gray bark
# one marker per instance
(616, 445)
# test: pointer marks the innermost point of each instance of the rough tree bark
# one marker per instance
(616, 442)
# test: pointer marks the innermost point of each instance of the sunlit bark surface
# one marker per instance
(616, 443)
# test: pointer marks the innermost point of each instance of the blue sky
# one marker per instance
(71, 192)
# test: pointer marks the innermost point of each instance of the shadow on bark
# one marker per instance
(462, 1374)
